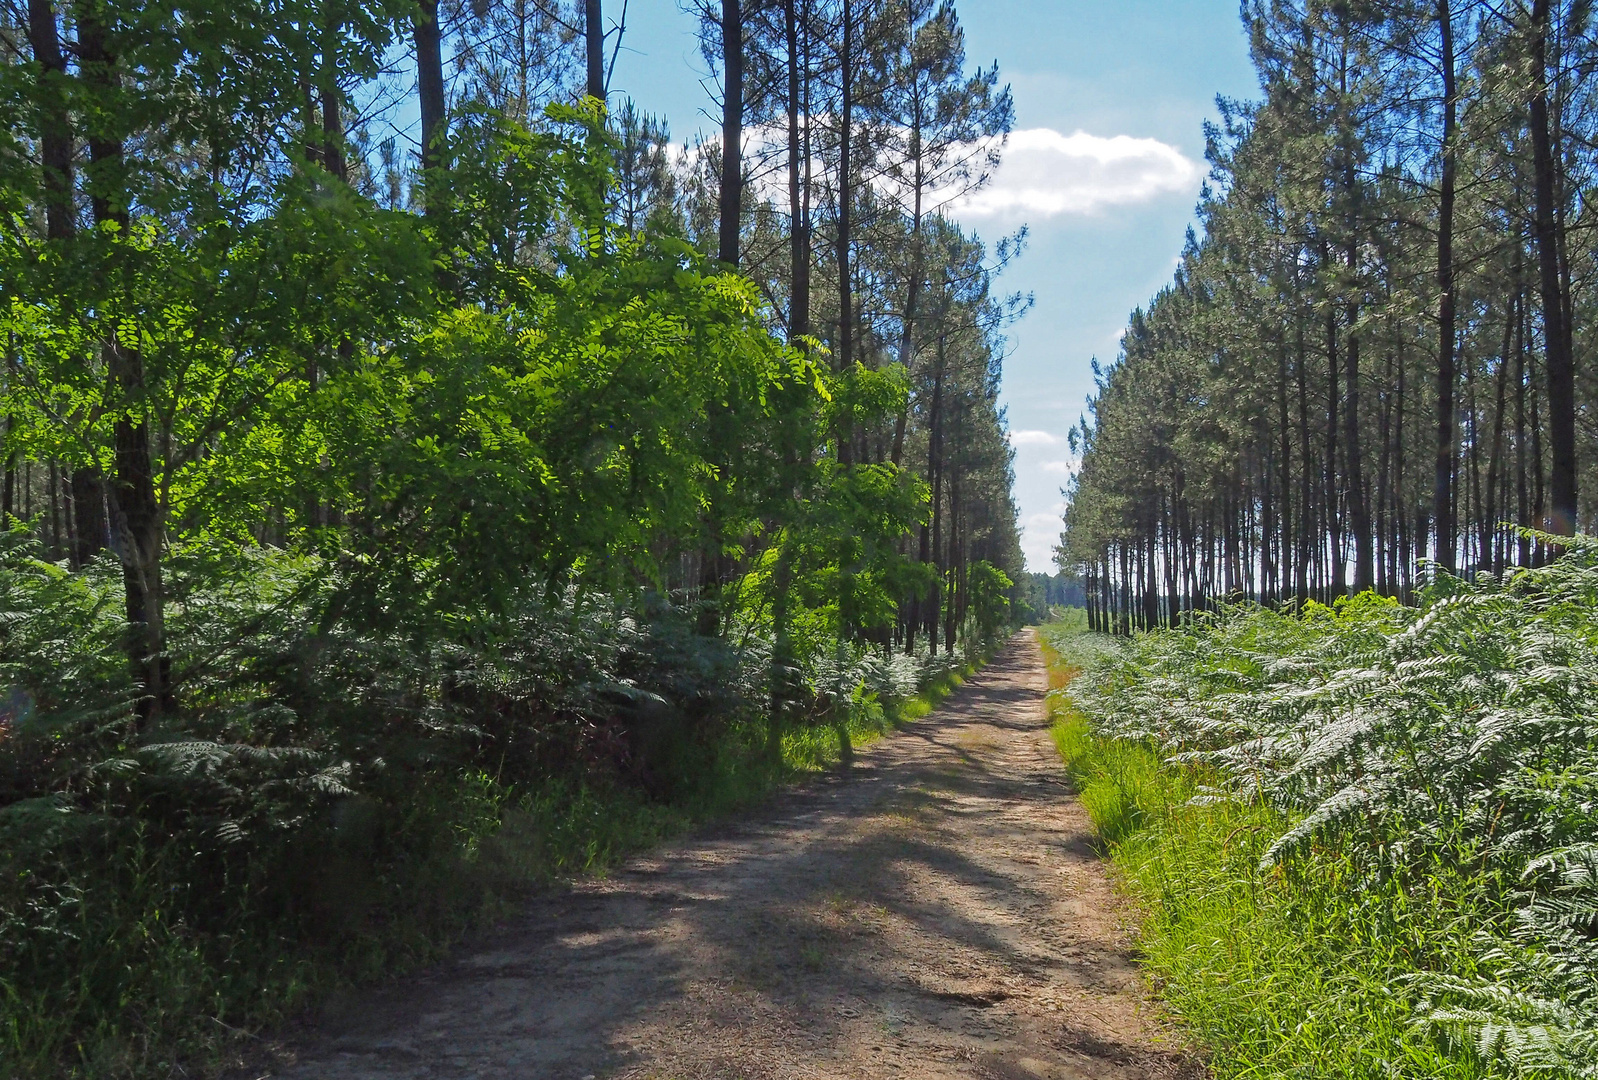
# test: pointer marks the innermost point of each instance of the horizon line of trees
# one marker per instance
(1373, 357)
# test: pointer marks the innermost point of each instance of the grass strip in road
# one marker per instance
(1279, 973)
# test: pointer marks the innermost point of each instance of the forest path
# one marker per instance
(938, 911)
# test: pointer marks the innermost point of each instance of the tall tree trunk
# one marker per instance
(1384, 484)
(55, 125)
(935, 475)
(1447, 438)
(1284, 473)
(60, 214)
(1354, 468)
(332, 121)
(594, 40)
(1358, 502)
(1539, 487)
(1522, 503)
(1402, 564)
(798, 157)
(52, 476)
(8, 493)
(846, 190)
(430, 98)
(1336, 581)
(1306, 475)
(732, 129)
(1472, 518)
(912, 293)
(135, 511)
(1559, 368)
(1490, 529)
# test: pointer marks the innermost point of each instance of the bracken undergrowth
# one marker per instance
(1366, 835)
(329, 801)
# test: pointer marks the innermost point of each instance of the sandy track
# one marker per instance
(938, 912)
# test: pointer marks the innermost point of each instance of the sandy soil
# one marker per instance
(936, 912)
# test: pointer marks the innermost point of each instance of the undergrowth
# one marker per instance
(331, 802)
(1362, 836)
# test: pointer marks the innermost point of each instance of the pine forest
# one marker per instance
(1333, 523)
(1369, 356)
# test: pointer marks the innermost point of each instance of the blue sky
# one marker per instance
(1105, 167)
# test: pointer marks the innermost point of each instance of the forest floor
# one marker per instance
(938, 910)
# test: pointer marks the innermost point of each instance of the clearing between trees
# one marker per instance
(938, 911)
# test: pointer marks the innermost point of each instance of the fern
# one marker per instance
(1460, 735)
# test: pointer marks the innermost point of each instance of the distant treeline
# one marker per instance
(1040, 593)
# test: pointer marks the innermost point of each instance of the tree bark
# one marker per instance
(1522, 503)
(55, 125)
(332, 122)
(798, 156)
(845, 191)
(1447, 452)
(56, 152)
(912, 294)
(1559, 367)
(1336, 581)
(732, 130)
(136, 520)
(1358, 504)
(594, 41)
(430, 98)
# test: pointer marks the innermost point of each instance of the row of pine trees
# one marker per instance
(1371, 359)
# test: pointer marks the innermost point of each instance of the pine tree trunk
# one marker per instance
(1335, 582)
(1490, 528)
(332, 122)
(1358, 504)
(594, 47)
(732, 130)
(846, 192)
(1447, 453)
(430, 98)
(935, 469)
(1559, 369)
(1306, 474)
(135, 511)
(913, 284)
(1522, 502)
(798, 157)
(56, 154)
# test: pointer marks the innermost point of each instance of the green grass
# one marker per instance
(1280, 973)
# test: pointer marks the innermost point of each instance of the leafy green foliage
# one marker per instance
(390, 562)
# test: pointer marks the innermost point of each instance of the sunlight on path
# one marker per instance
(938, 912)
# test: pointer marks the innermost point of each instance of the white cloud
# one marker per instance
(1034, 438)
(1045, 174)
(1062, 467)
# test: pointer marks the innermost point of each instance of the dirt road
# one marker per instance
(938, 912)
